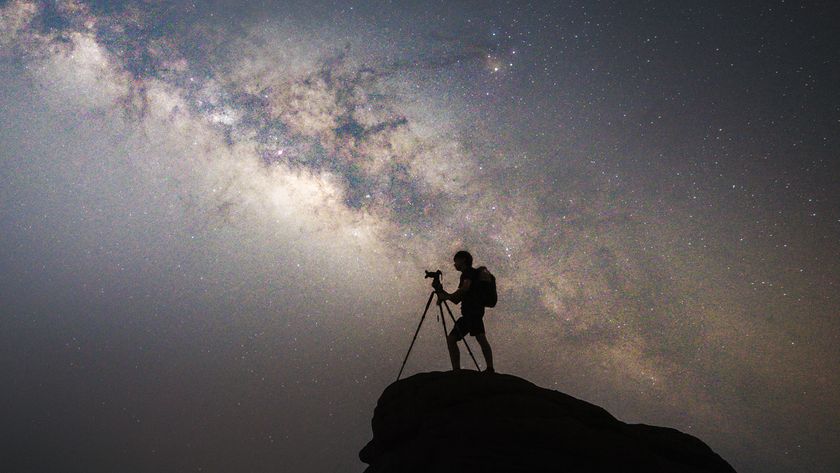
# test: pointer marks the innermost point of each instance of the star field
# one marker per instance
(215, 217)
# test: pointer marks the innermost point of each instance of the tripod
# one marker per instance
(443, 320)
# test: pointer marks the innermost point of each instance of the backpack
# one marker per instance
(486, 287)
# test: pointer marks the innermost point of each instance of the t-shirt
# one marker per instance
(470, 305)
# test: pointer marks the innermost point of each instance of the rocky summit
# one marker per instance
(481, 422)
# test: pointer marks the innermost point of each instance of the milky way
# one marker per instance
(215, 221)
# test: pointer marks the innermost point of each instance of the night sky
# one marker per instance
(215, 218)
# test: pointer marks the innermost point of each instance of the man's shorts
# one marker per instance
(468, 324)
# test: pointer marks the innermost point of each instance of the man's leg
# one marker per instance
(485, 349)
(454, 352)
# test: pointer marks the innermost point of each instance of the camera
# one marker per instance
(435, 275)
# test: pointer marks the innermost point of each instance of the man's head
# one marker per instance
(462, 260)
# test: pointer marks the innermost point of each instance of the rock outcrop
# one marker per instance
(478, 422)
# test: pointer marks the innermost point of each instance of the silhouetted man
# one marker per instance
(472, 312)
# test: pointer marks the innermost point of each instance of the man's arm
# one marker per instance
(456, 296)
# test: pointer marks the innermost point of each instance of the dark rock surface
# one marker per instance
(478, 422)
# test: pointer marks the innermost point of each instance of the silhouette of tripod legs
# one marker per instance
(443, 321)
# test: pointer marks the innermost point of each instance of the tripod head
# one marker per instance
(435, 275)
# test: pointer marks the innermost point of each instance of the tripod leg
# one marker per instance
(454, 355)
(443, 321)
(465, 338)
(428, 303)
